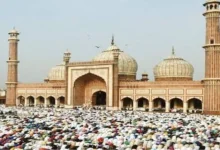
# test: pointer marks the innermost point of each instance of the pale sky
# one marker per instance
(149, 28)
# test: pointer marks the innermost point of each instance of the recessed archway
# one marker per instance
(40, 100)
(99, 98)
(31, 101)
(61, 101)
(2, 101)
(194, 103)
(127, 102)
(159, 104)
(85, 86)
(176, 103)
(143, 103)
(21, 100)
(51, 101)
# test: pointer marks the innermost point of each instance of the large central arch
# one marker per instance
(85, 86)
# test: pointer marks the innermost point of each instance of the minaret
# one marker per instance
(211, 104)
(12, 68)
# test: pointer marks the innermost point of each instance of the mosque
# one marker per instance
(109, 79)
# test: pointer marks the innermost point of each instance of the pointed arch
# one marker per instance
(51, 101)
(21, 100)
(143, 102)
(99, 98)
(61, 101)
(87, 74)
(30, 101)
(85, 86)
(40, 100)
(159, 104)
(127, 102)
(176, 103)
(194, 103)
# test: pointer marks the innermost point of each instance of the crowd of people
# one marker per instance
(35, 128)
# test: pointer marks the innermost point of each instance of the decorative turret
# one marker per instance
(144, 77)
(66, 57)
(46, 80)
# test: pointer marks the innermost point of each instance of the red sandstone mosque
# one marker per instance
(110, 79)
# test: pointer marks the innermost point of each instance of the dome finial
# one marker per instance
(173, 51)
(113, 42)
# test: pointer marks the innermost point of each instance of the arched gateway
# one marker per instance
(89, 89)
(99, 98)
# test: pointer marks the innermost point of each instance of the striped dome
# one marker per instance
(57, 72)
(127, 65)
(173, 67)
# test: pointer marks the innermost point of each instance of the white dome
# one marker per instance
(57, 72)
(173, 67)
(127, 65)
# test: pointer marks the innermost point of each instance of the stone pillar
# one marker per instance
(12, 77)
(57, 102)
(120, 104)
(28, 102)
(167, 106)
(17, 102)
(185, 107)
(35, 101)
(25, 102)
(150, 106)
(46, 102)
(115, 80)
(135, 105)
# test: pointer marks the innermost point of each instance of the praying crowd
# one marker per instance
(32, 128)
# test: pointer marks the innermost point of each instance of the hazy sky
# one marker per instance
(149, 27)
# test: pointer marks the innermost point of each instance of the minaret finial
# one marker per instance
(113, 42)
(173, 51)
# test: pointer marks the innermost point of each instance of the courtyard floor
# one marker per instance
(55, 128)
